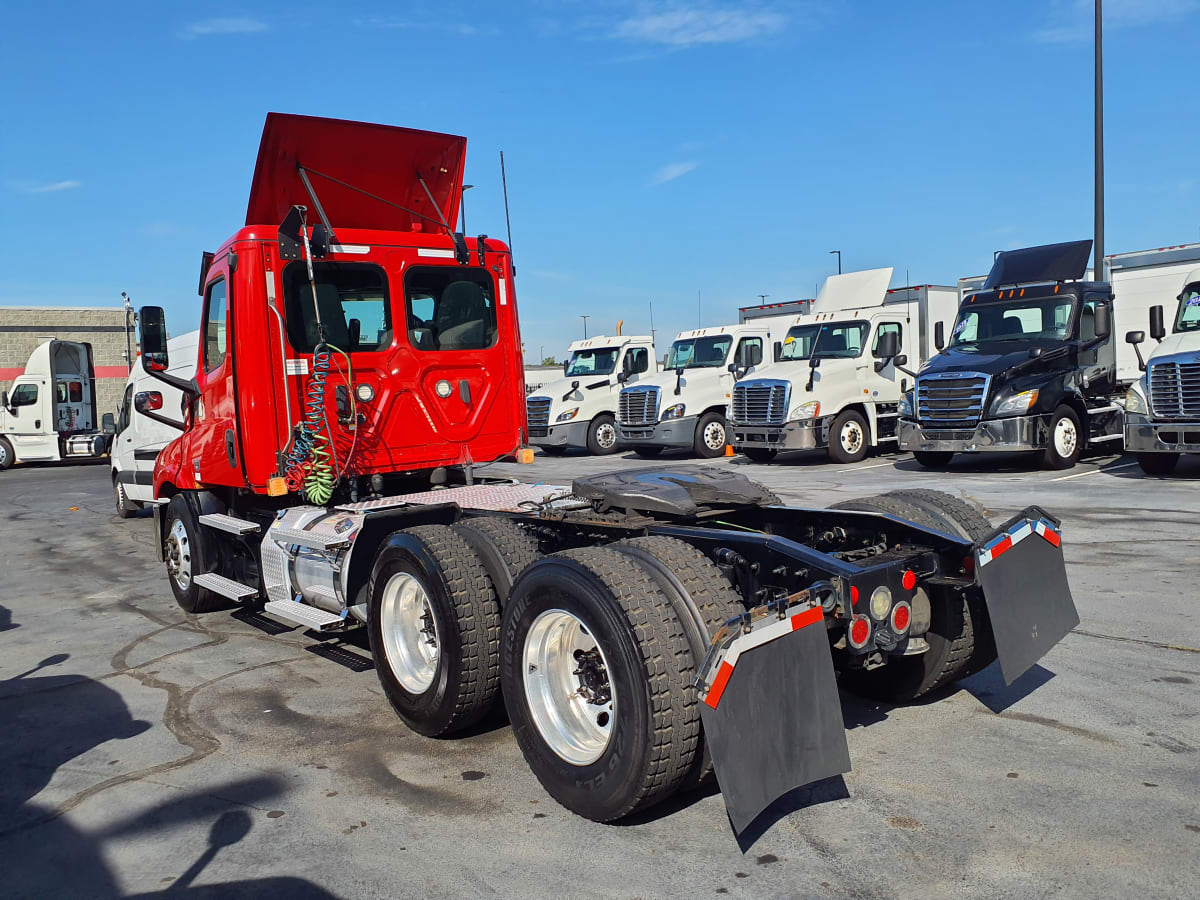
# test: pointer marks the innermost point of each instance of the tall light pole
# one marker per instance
(128, 343)
(1098, 242)
(585, 318)
(463, 206)
(839, 256)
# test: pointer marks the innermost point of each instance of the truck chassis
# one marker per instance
(642, 628)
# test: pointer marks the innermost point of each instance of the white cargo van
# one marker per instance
(828, 387)
(139, 438)
(579, 410)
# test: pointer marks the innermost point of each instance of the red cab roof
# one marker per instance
(380, 159)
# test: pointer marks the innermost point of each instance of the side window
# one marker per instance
(639, 360)
(884, 328)
(24, 395)
(450, 308)
(60, 392)
(1087, 319)
(214, 325)
(75, 392)
(126, 409)
(752, 347)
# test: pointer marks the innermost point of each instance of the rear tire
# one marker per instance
(759, 454)
(126, 508)
(602, 435)
(7, 457)
(711, 436)
(620, 732)
(189, 552)
(503, 547)
(932, 459)
(1066, 440)
(849, 438)
(434, 627)
(1151, 463)
(647, 452)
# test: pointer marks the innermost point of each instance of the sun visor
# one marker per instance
(1049, 262)
(380, 160)
(853, 290)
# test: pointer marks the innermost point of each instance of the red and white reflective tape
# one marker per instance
(756, 638)
(1015, 535)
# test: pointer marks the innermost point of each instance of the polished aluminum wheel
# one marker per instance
(570, 697)
(1066, 437)
(714, 436)
(410, 635)
(606, 435)
(851, 437)
(179, 556)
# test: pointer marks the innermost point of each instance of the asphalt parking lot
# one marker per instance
(147, 751)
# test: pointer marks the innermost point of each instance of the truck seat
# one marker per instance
(462, 318)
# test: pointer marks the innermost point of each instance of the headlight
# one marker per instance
(881, 603)
(673, 412)
(809, 410)
(568, 415)
(906, 405)
(1016, 404)
(1135, 403)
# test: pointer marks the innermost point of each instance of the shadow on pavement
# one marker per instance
(988, 687)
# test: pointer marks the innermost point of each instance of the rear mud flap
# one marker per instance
(771, 712)
(1024, 580)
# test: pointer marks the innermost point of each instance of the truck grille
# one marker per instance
(1175, 389)
(951, 399)
(537, 410)
(638, 406)
(761, 402)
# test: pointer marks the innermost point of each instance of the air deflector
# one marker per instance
(1049, 262)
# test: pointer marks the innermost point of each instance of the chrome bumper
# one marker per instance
(1144, 436)
(1013, 433)
(808, 435)
(675, 433)
(571, 434)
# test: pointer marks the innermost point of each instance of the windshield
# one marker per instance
(1189, 309)
(1035, 319)
(841, 340)
(799, 342)
(700, 353)
(593, 362)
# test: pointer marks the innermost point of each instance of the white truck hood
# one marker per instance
(1183, 342)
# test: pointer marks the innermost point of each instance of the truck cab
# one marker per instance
(49, 412)
(1030, 365)
(683, 407)
(1162, 409)
(579, 411)
(839, 374)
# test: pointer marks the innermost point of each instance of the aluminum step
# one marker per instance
(226, 587)
(320, 590)
(1103, 409)
(310, 539)
(303, 614)
(231, 524)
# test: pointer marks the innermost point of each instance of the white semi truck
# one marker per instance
(839, 375)
(683, 408)
(49, 413)
(579, 410)
(1162, 409)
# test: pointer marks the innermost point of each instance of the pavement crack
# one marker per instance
(1128, 640)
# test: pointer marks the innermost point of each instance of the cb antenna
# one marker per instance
(507, 221)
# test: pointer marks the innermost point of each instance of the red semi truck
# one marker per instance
(358, 357)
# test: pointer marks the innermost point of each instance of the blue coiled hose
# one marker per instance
(309, 463)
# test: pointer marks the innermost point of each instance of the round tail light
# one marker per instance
(901, 618)
(860, 632)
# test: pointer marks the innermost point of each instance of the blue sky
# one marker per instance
(654, 149)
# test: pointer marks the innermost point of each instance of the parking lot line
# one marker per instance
(1094, 471)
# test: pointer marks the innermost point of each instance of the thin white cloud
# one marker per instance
(679, 25)
(224, 25)
(30, 187)
(671, 171)
(462, 29)
(1073, 21)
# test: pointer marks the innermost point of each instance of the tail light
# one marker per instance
(901, 617)
(860, 632)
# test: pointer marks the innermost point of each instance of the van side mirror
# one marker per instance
(147, 401)
(777, 351)
(1157, 330)
(108, 423)
(1103, 321)
(4, 399)
(939, 335)
(152, 336)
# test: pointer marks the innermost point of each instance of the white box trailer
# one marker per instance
(775, 310)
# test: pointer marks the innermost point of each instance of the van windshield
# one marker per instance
(700, 353)
(799, 342)
(1189, 309)
(593, 362)
(1035, 319)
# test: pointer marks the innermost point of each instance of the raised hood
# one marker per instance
(853, 290)
(380, 159)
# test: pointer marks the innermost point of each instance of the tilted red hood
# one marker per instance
(381, 159)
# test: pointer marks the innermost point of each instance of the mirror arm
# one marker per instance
(1141, 362)
(153, 416)
(187, 385)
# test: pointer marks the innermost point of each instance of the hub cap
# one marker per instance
(714, 436)
(851, 437)
(179, 556)
(1066, 438)
(410, 635)
(3, 454)
(570, 697)
(120, 496)
(606, 435)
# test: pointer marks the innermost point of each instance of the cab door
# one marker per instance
(211, 453)
(883, 386)
(28, 424)
(1099, 364)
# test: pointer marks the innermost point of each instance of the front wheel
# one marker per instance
(126, 508)
(759, 454)
(1158, 463)
(711, 437)
(1066, 442)
(188, 553)
(7, 457)
(602, 435)
(932, 459)
(848, 438)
